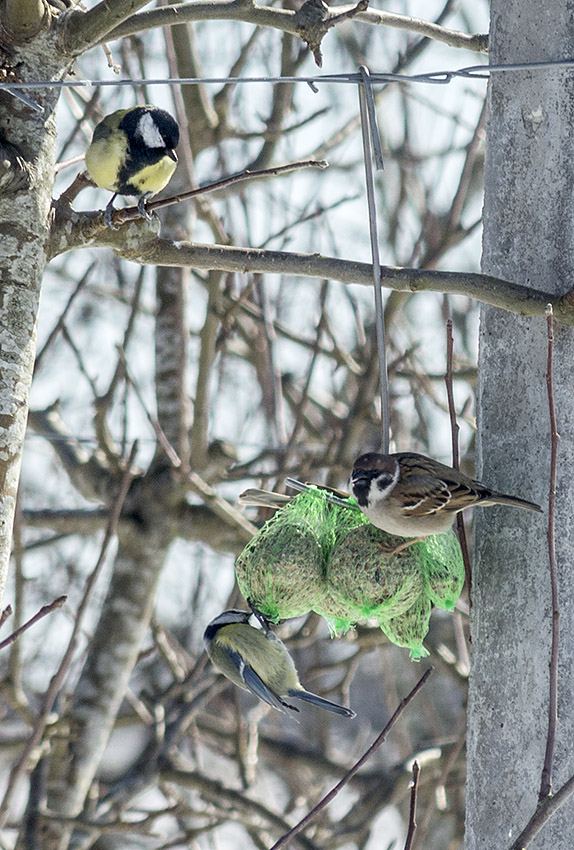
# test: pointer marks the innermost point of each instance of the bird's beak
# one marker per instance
(359, 476)
(172, 155)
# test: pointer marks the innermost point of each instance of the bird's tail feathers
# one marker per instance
(320, 702)
(263, 498)
(513, 501)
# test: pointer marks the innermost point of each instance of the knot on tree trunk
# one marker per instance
(15, 172)
(314, 19)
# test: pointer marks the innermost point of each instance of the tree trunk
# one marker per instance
(27, 157)
(529, 238)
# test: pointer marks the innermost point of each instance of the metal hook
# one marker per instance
(374, 127)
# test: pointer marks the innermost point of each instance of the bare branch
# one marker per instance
(43, 612)
(228, 513)
(546, 779)
(243, 10)
(21, 765)
(246, 810)
(62, 318)
(477, 42)
(142, 246)
(89, 473)
(285, 839)
(544, 811)
(196, 523)
(314, 19)
(413, 806)
(81, 29)
(132, 213)
(217, 10)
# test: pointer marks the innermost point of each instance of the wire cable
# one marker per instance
(368, 130)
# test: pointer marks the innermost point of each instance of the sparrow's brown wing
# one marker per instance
(424, 495)
(432, 486)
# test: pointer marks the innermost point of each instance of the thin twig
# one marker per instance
(21, 766)
(43, 612)
(304, 400)
(544, 810)
(78, 355)
(6, 613)
(62, 318)
(358, 764)
(454, 426)
(413, 807)
(461, 532)
(103, 402)
(15, 659)
(445, 772)
(546, 779)
(132, 213)
(217, 504)
(171, 453)
(454, 429)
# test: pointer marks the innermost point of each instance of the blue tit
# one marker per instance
(132, 153)
(257, 661)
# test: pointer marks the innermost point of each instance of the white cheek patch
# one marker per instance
(148, 130)
(384, 486)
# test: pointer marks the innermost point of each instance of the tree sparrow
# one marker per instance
(411, 495)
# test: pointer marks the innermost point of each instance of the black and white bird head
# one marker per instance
(153, 130)
(373, 478)
(226, 619)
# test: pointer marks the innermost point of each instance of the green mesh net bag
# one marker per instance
(314, 555)
(411, 627)
(366, 579)
(363, 577)
(281, 570)
(444, 570)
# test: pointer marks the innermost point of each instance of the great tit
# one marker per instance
(256, 660)
(132, 153)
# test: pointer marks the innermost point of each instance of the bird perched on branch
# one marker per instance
(133, 153)
(257, 661)
(411, 495)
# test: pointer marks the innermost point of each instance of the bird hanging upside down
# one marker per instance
(257, 661)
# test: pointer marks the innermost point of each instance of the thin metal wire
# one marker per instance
(366, 131)
(373, 125)
(377, 77)
(473, 72)
(440, 77)
(25, 99)
(330, 496)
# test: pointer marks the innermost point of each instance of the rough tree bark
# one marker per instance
(528, 237)
(27, 158)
